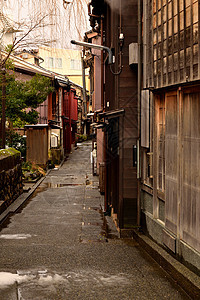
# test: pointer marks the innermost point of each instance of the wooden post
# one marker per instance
(179, 168)
(155, 159)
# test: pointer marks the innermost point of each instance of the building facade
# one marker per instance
(65, 62)
(115, 105)
(170, 132)
(147, 125)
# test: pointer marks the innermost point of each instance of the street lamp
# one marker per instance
(99, 47)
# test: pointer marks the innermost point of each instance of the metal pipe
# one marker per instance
(99, 47)
(84, 86)
(139, 105)
(102, 69)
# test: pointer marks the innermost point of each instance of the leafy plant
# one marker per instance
(23, 98)
(31, 171)
(16, 141)
(81, 137)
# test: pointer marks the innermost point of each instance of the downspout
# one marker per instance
(70, 122)
(103, 106)
(139, 109)
(84, 91)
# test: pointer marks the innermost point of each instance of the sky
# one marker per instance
(58, 27)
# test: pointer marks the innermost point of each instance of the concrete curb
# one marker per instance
(186, 279)
(20, 200)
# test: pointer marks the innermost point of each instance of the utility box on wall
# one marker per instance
(133, 53)
(37, 143)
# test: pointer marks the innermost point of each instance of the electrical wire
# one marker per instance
(116, 73)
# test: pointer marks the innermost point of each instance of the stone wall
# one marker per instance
(10, 176)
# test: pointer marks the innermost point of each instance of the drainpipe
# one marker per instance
(84, 91)
(70, 121)
(103, 107)
(139, 108)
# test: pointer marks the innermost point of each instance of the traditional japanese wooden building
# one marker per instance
(115, 26)
(147, 124)
(59, 112)
(170, 131)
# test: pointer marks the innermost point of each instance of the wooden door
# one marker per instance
(190, 206)
(171, 159)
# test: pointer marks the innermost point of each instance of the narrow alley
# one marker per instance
(60, 246)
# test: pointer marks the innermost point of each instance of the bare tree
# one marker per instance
(69, 20)
(77, 15)
(38, 22)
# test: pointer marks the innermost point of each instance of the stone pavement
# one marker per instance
(58, 245)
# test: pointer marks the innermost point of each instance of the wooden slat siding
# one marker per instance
(144, 42)
(178, 71)
(37, 146)
(148, 61)
(184, 41)
(198, 39)
(167, 45)
(145, 118)
(157, 43)
(195, 38)
(155, 154)
(171, 177)
(191, 40)
(127, 89)
(179, 165)
(148, 31)
(172, 41)
(151, 120)
(121, 92)
(181, 168)
(121, 170)
(160, 143)
(127, 83)
(129, 182)
(190, 207)
(162, 39)
(132, 129)
(151, 73)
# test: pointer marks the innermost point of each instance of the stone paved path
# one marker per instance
(57, 246)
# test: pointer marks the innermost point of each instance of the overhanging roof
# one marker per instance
(112, 113)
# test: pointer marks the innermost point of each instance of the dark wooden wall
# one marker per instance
(121, 92)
